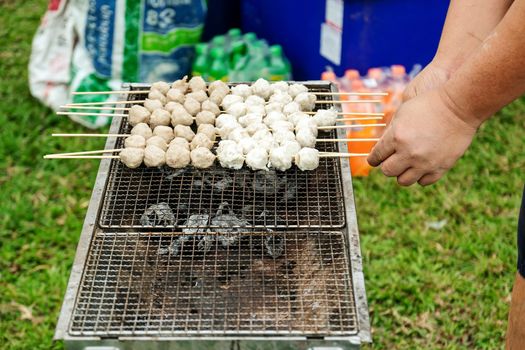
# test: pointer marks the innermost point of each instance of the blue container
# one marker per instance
(374, 33)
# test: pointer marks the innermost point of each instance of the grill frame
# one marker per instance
(91, 226)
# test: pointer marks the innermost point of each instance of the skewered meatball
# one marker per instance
(257, 159)
(227, 128)
(192, 106)
(155, 94)
(250, 118)
(273, 117)
(292, 147)
(280, 158)
(158, 142)
(171, 106)
(180, 116)
(177, 157)
(161, 86)
(291, 108)
(280, 86)
(228, 100)
(238, 134)
(255, 109)
(211, 107)
(305, 138)
(159, 117)
(153, 105)
(135, 141)
(132, 157)
(282, 125)
(255, 100)
(175, 95)
(205, 117)
(262, 88)
(307, 159)
(154, 156)
(297, 117)
(281, 97)
(237, 109)
(282, 136)
(230, 154)
(197, 84)
(296, 89)
(138, 114)
(184, 132)
(201, 140)
(247, 145)
(273, 107)
(253, 128)
(242, 90)
(202, 158)
(181, 85)
(325, 117)
(219, 86)
(142, 129)
(306, 101)
(180, 142)
(223, 119)
(165, 132)
(208, 130)
(217, 97)
(308, 124)
(264, 140)
(199, 95)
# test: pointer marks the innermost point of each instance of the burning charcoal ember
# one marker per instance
(158, 215)
(274, 245)
(229, 226)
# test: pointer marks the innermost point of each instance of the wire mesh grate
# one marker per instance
(167, 198)
(286, 283)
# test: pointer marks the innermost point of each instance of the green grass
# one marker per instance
(427, 289)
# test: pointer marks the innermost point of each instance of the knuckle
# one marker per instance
(387, 169)
(405, 182)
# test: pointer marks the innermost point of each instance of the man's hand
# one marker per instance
(424, 140)
(430, 78)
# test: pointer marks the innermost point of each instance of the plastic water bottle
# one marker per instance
(219, 67)
(200, 65)
(279, 69)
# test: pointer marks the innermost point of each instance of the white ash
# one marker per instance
(274, 245)
(159, 214)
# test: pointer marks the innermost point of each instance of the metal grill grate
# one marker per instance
(291, 199)
(290, 283)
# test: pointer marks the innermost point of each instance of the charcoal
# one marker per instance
(228, 235)
(274, 245)
(159, 214)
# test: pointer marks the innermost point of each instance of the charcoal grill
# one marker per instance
(286, 274)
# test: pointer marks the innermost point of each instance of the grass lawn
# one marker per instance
(445, 288)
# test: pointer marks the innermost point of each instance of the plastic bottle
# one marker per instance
(218, 41)
(346, 81)
(234, 34)
(219, 67)
(278, 69)
(200, 65)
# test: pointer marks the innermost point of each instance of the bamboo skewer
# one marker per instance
(131, 92)
(87, 114)
(95, 108)
(347, 101)
(69, 105)
(56, 155)
(357, 119)
(321, 155)
(373, 139)
(90, 135)
(51, 156)
(348, 126)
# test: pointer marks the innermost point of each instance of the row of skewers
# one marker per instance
(263, 125)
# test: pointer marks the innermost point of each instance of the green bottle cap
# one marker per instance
(234, 33)
(218, 40)
(276, 50)
(250, 37)
(201, 48)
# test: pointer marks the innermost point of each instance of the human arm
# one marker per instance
(468, 23)
(431, 131)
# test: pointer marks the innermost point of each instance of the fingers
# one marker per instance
(429, 179)
(383, 149)
(410, 177)
(394, 165)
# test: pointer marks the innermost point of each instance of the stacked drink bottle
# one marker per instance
(387, 79)
(237, 57)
